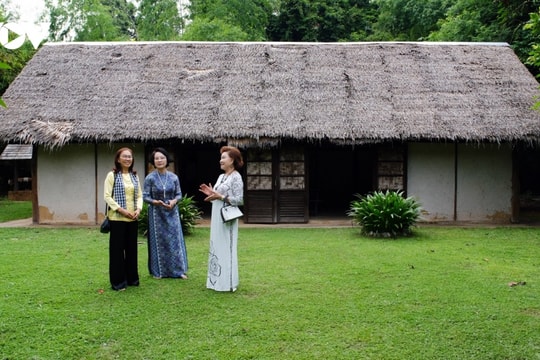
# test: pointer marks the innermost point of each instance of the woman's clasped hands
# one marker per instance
(169, 205)
(133, 215)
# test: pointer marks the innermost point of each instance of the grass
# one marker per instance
(14, 210)
(304, 294)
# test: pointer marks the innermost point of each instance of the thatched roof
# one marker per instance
(16, 152)
(260, 92)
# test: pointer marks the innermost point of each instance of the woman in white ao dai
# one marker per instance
(229, 189)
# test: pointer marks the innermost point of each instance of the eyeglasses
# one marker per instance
(126, 157)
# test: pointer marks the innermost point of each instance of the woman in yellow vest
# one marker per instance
(123, 195)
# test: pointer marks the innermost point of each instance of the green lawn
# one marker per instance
(304, 294)
(14, 210)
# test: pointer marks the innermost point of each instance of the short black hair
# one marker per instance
(160, 150)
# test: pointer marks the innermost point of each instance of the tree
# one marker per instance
(12, 61)
(322, 20)
(99, 25)
(470, 20)
(91, 20)
(514, 15)
(247, 19)
(533, 27)
(159, 20)
(3, 66)
(123, 14)
(213, 30)
(408, 20)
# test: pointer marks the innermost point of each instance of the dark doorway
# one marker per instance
(528, 168)
(197, 164)
(16, 171)
(336, 174)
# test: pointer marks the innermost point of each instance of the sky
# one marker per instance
(29, 10)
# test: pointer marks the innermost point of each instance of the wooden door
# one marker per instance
(276, 190)
(391, 167)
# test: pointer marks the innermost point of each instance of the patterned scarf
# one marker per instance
(120, 192)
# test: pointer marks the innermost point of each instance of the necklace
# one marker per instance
(163, 184)
(225, 177)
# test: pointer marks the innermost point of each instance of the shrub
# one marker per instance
(189, 213)
(187, 209)
(385, 213)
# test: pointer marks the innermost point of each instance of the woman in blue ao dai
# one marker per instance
(167, 255)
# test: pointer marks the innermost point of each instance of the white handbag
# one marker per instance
(230, 212)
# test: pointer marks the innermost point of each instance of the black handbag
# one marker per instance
(105, 226)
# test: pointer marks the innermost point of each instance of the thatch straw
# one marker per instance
(258, 93)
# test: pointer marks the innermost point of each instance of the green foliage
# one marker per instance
(159, 20)
(189, 213)
(470, 20)
(123, 13)
(12, 61)
(533, 26)
(99, 26)
(114, 20)
(187, 209)
(15, 60)
(322, 20)
(107, 20)
(91, 20)
(385, 213)
(513, 15)
(533, 59)
(4, 66)
(408, 20)
(143, 219)
(213, 30)
(228, 20)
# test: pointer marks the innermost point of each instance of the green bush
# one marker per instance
(189, 214)
(385, 214)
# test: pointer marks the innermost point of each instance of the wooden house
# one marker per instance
(451, 124)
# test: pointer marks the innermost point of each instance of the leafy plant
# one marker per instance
(189, 213)
(385, 213)
(187, 209)
(4, 66)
